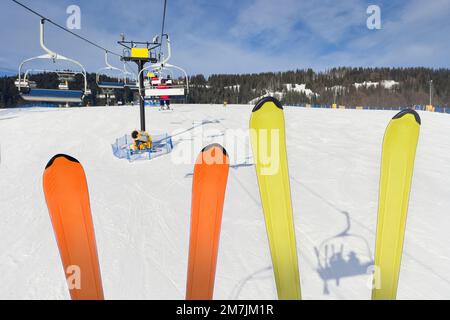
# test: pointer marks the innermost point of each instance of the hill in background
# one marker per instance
(380, 87)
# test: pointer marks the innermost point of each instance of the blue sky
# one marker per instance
(243, 36)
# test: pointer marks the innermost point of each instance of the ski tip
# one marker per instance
(261, 102)
(52, 160)
(403, 113)
(216, 145)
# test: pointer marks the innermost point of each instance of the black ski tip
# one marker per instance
(403, 113)
(214, 145)
(50, 163)
(267, 99)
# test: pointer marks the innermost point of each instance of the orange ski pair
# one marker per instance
(67, 197)
(208, 193)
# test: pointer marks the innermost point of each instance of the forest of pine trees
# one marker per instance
(331, 85)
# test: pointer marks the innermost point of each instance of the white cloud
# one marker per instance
(243, 37)
(328, 20)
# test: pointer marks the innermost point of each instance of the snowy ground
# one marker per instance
(141, 210)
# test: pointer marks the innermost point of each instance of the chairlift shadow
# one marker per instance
(334, 264)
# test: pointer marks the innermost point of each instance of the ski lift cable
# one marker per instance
(66, 30)
(164, 18)
(163, 24)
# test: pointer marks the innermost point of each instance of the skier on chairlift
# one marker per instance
(164, 100)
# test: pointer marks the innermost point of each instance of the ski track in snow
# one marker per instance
(141, 210)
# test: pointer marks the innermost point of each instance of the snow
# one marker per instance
(236, 87)
(367, 84)
(387, 84)
(300, 88)
(336, 89)
(141, 210)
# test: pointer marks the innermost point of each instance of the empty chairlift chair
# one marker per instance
(104, 81)
(28, 89)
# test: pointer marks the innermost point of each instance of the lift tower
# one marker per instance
(141, 53)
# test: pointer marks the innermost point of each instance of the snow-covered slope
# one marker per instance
(386, 84)
(299, 88)
(141, 210)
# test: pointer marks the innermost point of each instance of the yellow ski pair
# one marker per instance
(268, 140)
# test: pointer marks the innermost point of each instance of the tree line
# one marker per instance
(335, 85)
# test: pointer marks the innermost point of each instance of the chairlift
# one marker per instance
(173, 90)
(28, 89)
(102, 84)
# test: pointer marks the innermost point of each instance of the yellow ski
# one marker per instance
(269, 150)
(397, 166)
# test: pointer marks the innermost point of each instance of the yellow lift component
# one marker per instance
(140, 53)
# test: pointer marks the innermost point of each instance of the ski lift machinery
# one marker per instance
(28, 89)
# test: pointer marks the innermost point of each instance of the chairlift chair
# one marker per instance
(165, 76)
(174, 90)
(120, 84)
(28, 89)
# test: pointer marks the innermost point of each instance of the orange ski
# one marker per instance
(67, 196)
(208, 193)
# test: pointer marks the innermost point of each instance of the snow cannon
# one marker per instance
(141, 145)
(142, 140)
